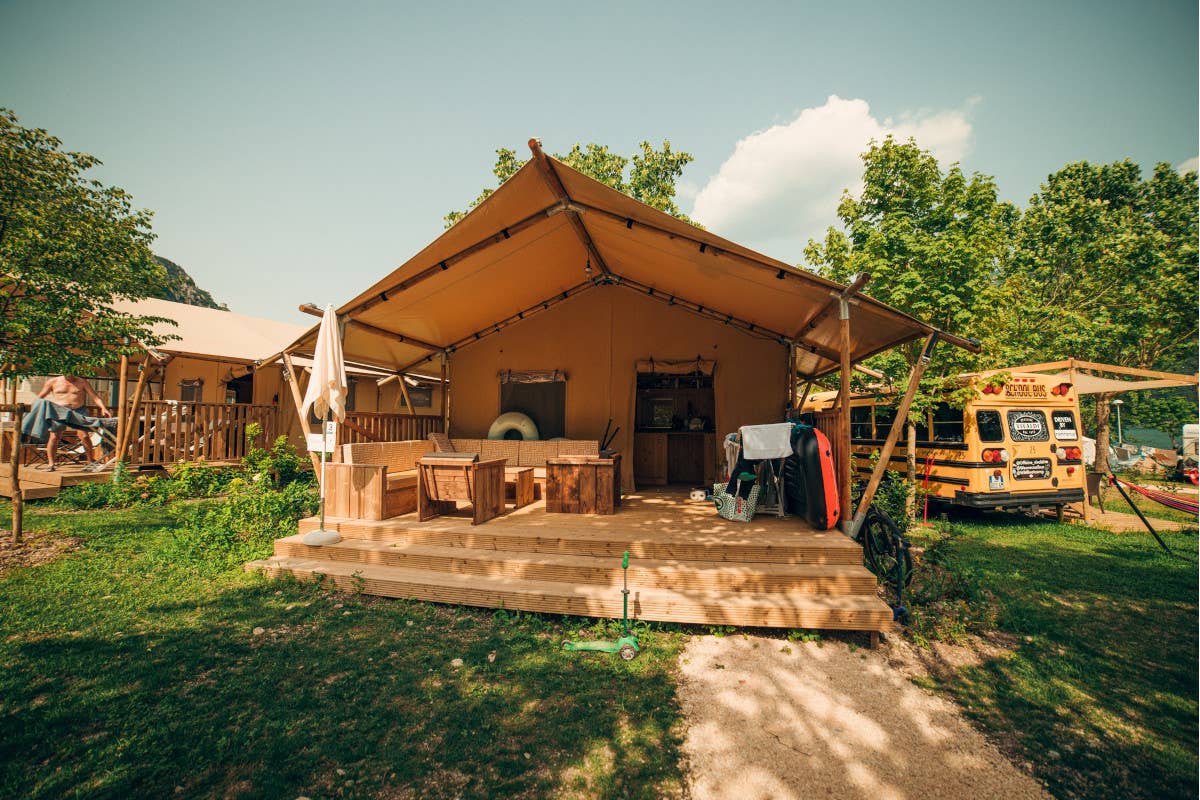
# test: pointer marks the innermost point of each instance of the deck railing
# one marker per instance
(380, 426)
(169, 431)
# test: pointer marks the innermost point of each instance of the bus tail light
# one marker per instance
(1070, 453)
(993, 388)
(1062, 389)
(995, 456)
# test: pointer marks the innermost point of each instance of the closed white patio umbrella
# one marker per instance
(326, 395)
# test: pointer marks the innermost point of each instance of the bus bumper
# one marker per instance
(1021, 500)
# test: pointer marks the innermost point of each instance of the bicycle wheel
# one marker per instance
(884, 548)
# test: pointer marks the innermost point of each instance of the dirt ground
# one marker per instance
(1128, 522)
(36, 547)
(774, 720)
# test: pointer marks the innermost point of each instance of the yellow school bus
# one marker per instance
(1016, 444)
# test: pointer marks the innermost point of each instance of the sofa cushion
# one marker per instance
(535, 453)
(499, 448)
(397, 456)
(578, 447)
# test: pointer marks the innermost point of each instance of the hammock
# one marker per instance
(1162, 498)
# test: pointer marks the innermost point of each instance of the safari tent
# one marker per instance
(598, 318)
(556, 278)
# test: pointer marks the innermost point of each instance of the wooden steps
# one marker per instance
(687, 565)
(604, 539)
(592, 570)
(840, 612)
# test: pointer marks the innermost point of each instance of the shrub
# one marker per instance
(261, 505)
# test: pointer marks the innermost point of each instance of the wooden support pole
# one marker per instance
(122, 402)
(898, 424)
(791, 379)
(412, 412)
(445, 394)
(123, 444)
(298, 399)
(18, 496)
(843, 427)
(556, 187)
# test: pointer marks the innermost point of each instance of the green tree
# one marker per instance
(69, 246)
(932, 241)
(1104, 269)
(651, 174)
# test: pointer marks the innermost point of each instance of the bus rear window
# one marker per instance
(1064, 426)
(990, 428)
(1028, 425)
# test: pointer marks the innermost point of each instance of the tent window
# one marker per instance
(191, 391)
(544, 402)
(422, 397)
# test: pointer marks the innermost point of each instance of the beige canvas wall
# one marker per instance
(596, 338)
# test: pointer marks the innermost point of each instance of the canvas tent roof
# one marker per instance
(550, 232)
(212, 333)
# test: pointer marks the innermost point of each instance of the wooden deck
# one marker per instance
(686, 564)
(37, 483)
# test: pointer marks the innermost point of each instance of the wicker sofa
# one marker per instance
(375, 480)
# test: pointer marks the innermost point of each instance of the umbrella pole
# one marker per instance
(324, 434)
(320, 535)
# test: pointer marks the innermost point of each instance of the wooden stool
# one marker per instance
(520, 479)
(583, 484)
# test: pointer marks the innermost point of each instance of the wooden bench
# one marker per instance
(374, 480)
(443, 482)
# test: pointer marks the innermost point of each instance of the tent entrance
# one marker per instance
(674, 423)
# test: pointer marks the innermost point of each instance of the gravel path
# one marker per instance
(826, 720)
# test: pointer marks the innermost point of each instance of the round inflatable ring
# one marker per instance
(510, 422)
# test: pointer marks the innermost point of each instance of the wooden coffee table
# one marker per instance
(583, 484)
(520, 479)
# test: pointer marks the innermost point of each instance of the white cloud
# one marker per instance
(781, 186)
(1191, 165)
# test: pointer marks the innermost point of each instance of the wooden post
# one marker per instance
(18, 497)
(122, 423)
(412, 412)
(123, 444)
(898, 424)
(299, 401)
(791, 379)
(445, 393)
(845, 469)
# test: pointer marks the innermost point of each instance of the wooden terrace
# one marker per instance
(687, 565)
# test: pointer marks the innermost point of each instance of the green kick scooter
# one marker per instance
(627, 646)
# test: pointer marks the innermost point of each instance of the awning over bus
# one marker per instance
(551, 232)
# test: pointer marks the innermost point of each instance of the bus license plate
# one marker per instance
(1031, 469)
(995, 482)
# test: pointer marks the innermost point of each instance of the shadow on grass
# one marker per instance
(1100, 692)
(122, 675)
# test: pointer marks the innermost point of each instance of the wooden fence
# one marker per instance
(379, 426)
(167, 431)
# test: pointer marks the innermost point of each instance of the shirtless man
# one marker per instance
(69, 391)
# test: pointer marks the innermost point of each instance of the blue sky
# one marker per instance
(280, 143)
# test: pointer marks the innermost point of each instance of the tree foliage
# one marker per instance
(1104, 269)
(932, 242)
(69, 246)
(648, 176)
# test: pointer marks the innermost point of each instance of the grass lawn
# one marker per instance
(129, 669)
(1098, 686)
